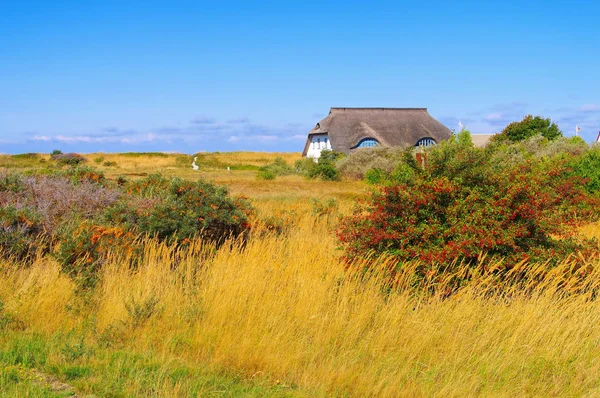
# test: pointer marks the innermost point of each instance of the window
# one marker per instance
(428, 141)
(318, 143)
(325, 141)
(367, 142)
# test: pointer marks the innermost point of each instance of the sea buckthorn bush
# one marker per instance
(81, 217)
(84, 247)
(21, 233)
(176, 209)
(461, 205)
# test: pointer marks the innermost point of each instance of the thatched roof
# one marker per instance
(389, 126)
(481, 140)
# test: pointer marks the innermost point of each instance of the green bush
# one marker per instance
(325, 167)
(80, 174)
(462, 204)
(528, 127)
(85, 247)
(266, 174)
(176, 209)
(279, 167)
(588, 167)
(375, 176)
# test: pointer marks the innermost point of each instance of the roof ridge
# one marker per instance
(375, 109)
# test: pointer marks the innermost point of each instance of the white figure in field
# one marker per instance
(194, 165)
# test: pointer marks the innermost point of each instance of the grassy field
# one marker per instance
(281, 316)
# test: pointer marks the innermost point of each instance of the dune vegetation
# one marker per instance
(284, 314)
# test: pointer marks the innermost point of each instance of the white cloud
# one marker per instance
(297, 137)
(590, 108)
(494, 117)
(233, 138)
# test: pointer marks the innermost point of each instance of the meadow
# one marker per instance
(283, 315)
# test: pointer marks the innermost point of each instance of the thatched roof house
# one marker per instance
(481, 140)
(345, 129)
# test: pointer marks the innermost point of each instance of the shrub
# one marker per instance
(99, 159)
(588, 167)
(85, 247)
(175, 209)
(265, 174)
(325, 167)
(54, 198)
(81, 174)
(21, 233)
(528, 127)
(110, 164)
(462, 205)
(360, 161)
(279, 167)
(57, 152)
(69, 159)
(375, 176)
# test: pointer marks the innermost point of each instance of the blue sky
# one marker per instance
(189, 76)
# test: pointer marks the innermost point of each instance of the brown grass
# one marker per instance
(284, 307)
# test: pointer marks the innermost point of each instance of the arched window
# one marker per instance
(318, 143)
(428, 141)
(367, 142)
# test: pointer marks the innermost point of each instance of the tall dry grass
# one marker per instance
(283, 307)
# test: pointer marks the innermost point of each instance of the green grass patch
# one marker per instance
(78, 361)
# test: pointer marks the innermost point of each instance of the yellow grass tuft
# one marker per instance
(284, 307)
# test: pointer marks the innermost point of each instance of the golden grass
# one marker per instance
(283, 307)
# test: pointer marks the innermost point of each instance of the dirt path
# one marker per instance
(55, 385)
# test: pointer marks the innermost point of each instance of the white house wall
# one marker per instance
(318, 143)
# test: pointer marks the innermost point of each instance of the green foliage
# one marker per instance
(528, 127)
(324, 169)
(85, 219)
(85, 247)
(181, 209)
(266, 174)
(375, 176)
(110, 164)
(463, 204)
(279, 167)
(99, 159)
(56, 152)
(80, 174)
(588, 167)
